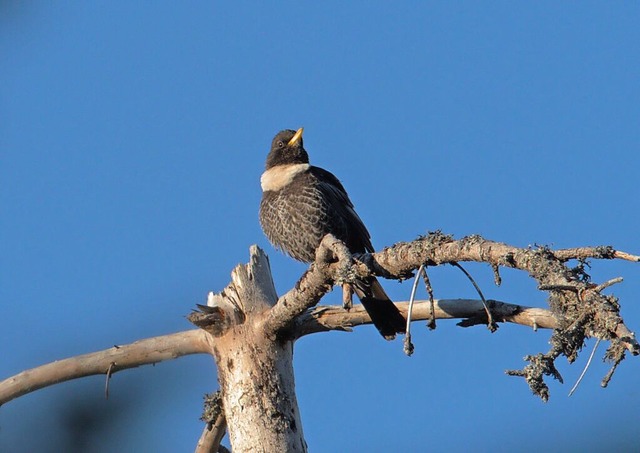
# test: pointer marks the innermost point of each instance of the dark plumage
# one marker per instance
(301, 204)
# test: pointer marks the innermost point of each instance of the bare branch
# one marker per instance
(586, 367)
(408, 345)
(608, 283)
(112, 360)
(212, 435)
(491, 325)
(317, 281)
(600, 252)
(618, 254)
(216, 424)
(167, 347)
(578, 309)
(325, 318)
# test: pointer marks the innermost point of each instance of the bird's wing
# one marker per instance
(357, 237)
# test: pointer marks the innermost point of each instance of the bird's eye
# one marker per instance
(280, 144)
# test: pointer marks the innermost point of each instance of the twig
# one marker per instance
(431, 323)
(108, 378)
(491, 324)
(599, 252)
(626, 256)
(497, 279)
(212, 435)
(586, 367)
(408, 346)
(555, 287)
(608, 283)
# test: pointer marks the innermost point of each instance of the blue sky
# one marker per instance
(132, 139)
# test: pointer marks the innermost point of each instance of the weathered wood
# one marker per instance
(108, 361)
(250, 332)
(255, 370)
(258, 392)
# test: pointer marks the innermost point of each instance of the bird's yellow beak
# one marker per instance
(297, 136)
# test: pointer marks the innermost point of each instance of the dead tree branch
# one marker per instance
(320, 319)
(112, 360)
(250, 332)
(216, 424)
(471, 311)
(579, 306)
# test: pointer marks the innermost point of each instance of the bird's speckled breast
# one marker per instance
(297, 217)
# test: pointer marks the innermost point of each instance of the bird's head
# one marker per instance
(287, 149)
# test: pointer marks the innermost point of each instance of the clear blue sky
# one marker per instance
(132, 139)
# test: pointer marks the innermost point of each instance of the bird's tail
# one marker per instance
(384, 313)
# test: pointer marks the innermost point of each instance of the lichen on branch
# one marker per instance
(579, 305)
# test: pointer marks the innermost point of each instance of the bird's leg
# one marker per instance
(331, 250)
(347, 295)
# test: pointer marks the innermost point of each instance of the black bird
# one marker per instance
(301, 204)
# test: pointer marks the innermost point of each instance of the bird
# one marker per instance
(301, 204)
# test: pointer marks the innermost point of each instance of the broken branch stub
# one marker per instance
(255, 369)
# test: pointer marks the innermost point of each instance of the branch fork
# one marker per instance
(250, 331)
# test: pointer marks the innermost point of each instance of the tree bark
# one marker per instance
(255, 366)
(250, 331)
(256, 378)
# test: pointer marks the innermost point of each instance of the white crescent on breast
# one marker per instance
(279, 176)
